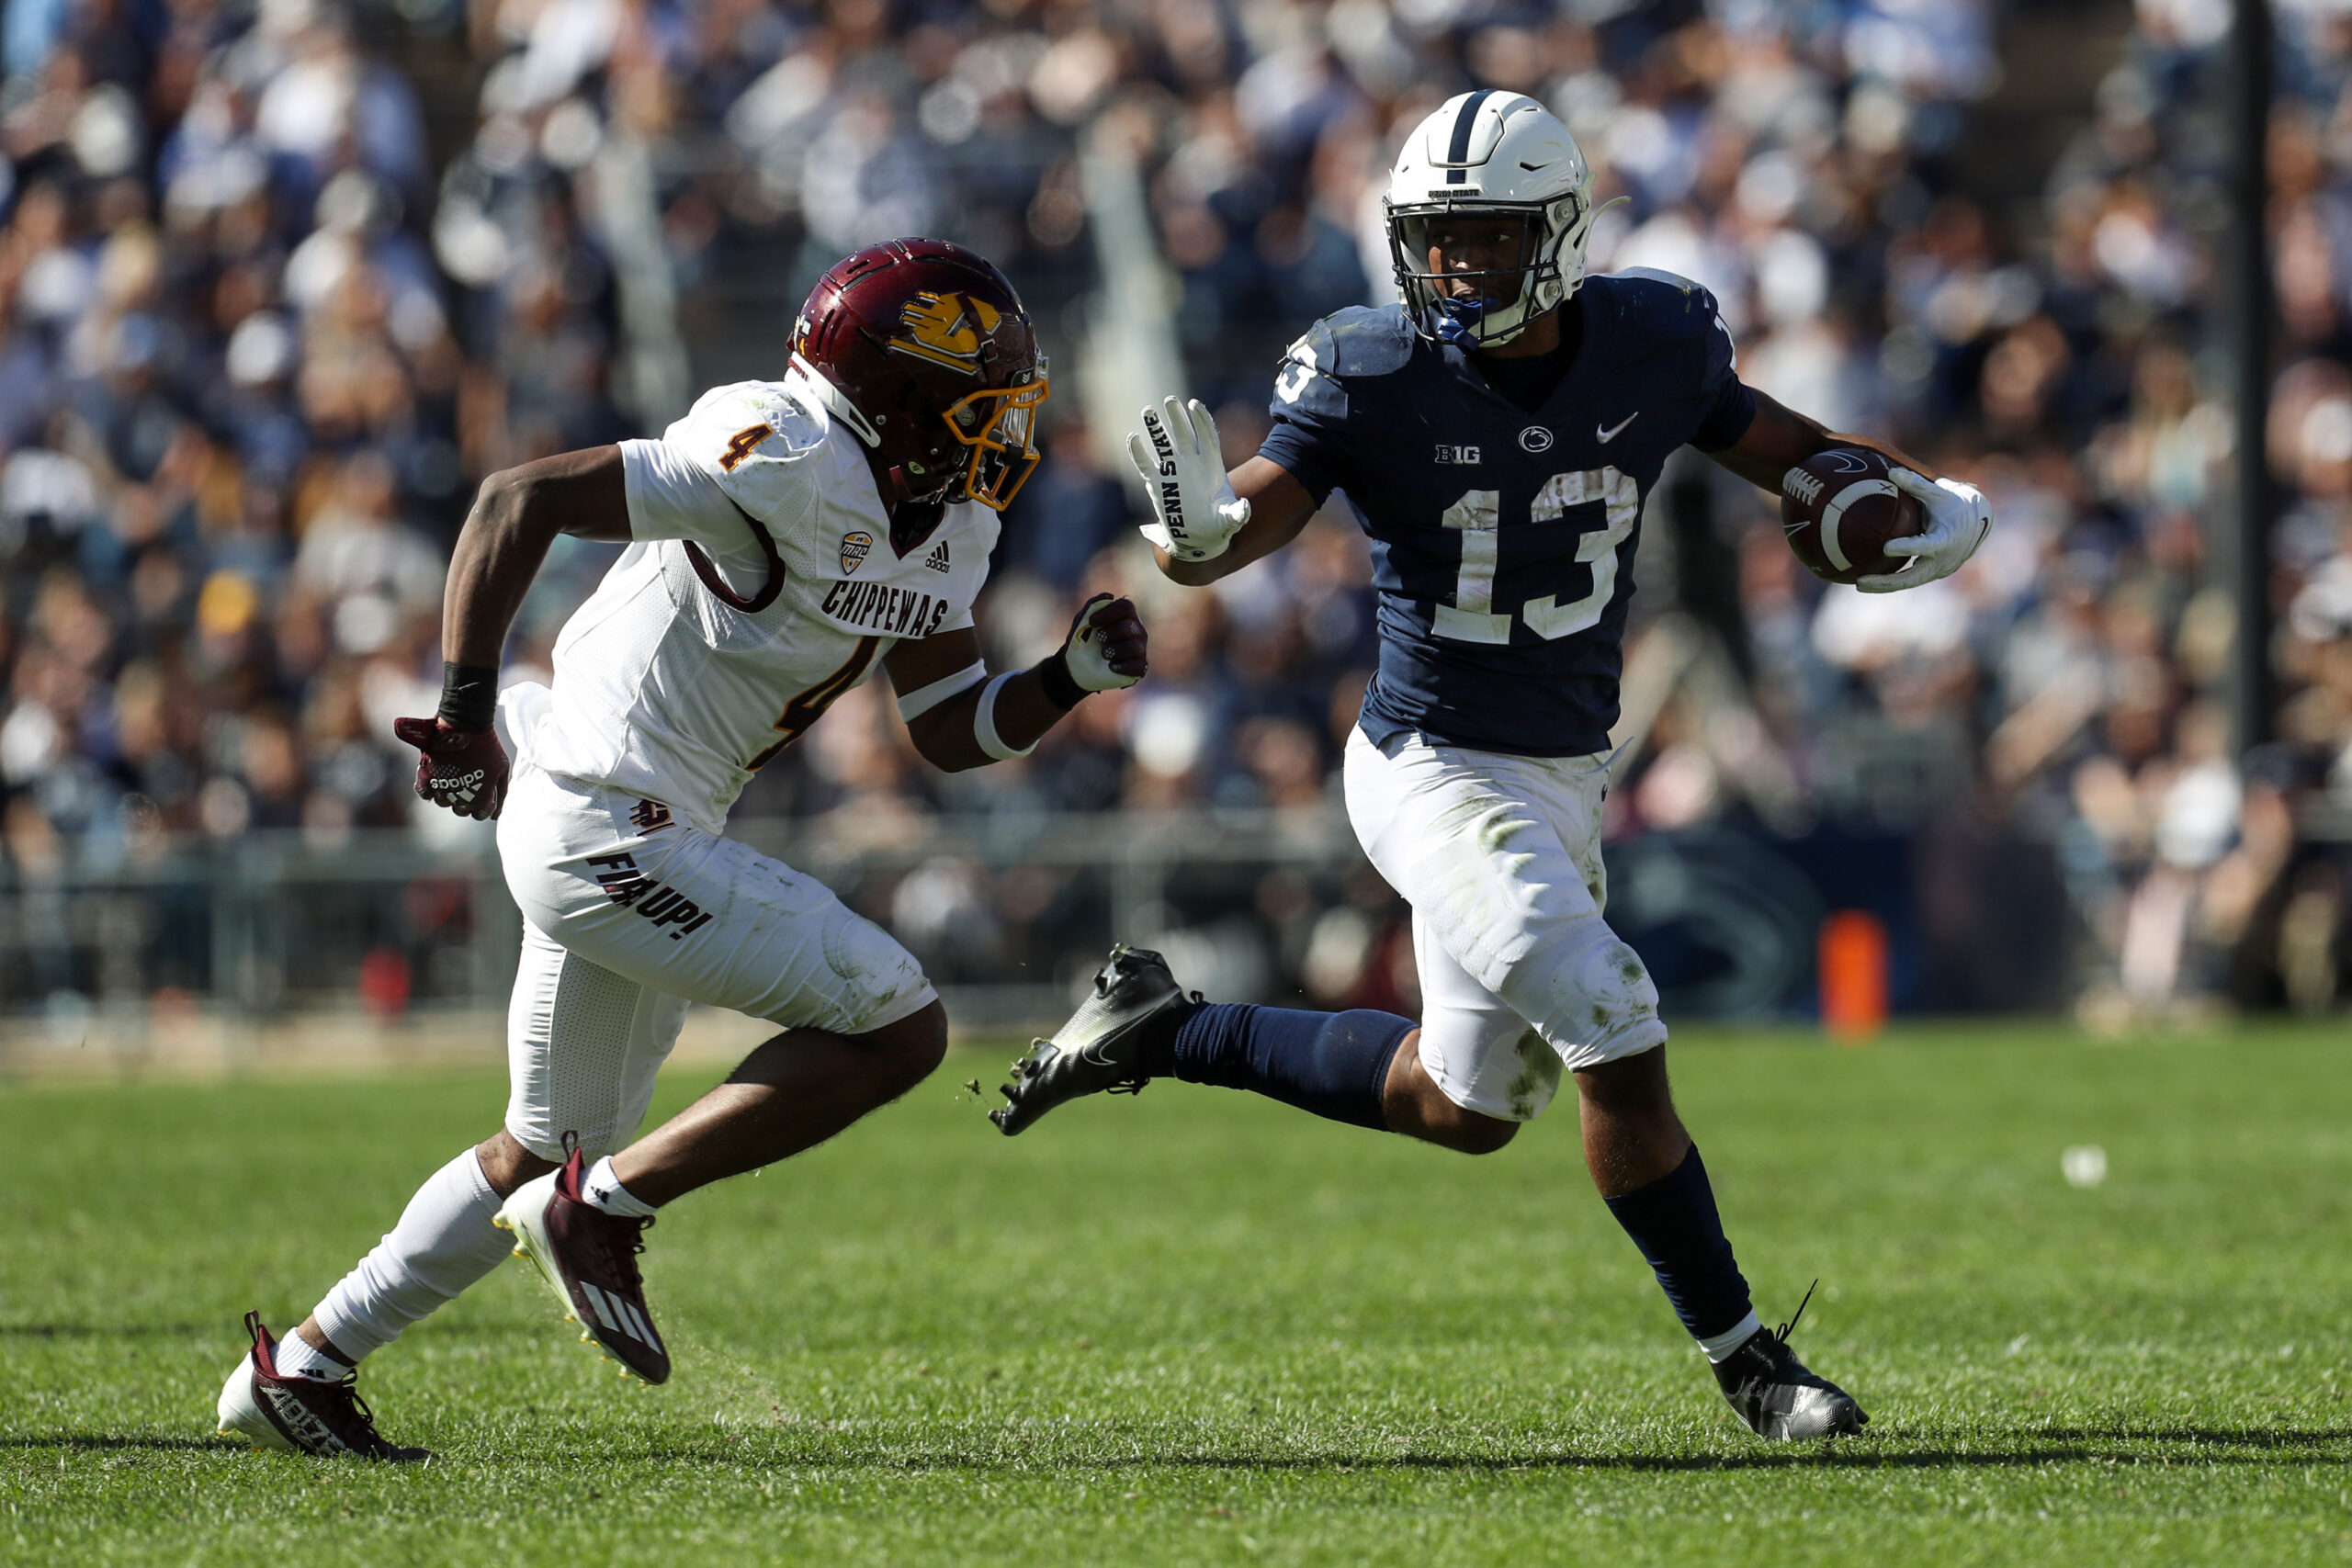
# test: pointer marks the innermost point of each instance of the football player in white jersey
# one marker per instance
(785, 539)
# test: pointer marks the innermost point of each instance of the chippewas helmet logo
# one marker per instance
(940, 328)
(856, 547)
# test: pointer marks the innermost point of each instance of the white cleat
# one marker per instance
(298, 1415)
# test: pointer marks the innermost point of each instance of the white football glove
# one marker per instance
(1958, 519)
(1106, 649)
(1194, 511)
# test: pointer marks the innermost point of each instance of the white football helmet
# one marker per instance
(1489, 152)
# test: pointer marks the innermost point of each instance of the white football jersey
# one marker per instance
(692, 664)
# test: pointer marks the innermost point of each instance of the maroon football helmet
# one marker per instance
(924, 351)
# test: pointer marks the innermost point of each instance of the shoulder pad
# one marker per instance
(1671, 306)
(757, 440)
(1363, 340)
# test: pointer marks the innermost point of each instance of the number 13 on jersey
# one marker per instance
(1474, 616)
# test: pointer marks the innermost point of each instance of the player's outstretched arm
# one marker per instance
(959, 716)
(1279, 507)
(1779, 438)
(517, 516)
(1206, 523)
(1959, 517)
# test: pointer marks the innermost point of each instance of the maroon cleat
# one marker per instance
(305, 1414)
(589, 1258)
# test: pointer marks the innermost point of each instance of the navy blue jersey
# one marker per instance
(1502, 541)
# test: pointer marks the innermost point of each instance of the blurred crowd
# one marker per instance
(280, 282)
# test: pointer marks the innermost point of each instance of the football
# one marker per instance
(1840, 509)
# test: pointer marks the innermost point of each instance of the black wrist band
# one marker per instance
(469, 695)
(1060, 687)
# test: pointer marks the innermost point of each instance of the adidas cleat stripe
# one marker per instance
(638, 1326)
(604, 1311)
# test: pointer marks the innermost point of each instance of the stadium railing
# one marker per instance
(1010, 913)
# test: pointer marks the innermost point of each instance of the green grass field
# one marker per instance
(1195, 1328)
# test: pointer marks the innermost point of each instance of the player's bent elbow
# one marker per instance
(582, 493)
(503, 490)
(503, 500)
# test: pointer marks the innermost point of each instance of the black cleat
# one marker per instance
(1104, 1047)
(1779, 1399)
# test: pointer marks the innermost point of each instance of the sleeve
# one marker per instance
(1310, 416)
(743, 448)
(1726, 407)
(671, 497)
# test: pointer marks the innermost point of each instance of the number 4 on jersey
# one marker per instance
(809, 706)
(741, 445)
(1472, 617)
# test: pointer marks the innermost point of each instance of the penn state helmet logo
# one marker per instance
(946, 329)
(856, 547)
(1535, 438)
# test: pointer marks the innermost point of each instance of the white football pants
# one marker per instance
(627, 915)
(1499, 857)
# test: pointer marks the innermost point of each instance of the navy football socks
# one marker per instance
(1334, 1064)
(1673, 1220)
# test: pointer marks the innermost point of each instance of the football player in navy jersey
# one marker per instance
(1497, 435)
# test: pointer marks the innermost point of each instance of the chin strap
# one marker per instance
(901, 489)
(1457, 320)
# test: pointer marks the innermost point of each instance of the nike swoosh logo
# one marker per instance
(1606, 436)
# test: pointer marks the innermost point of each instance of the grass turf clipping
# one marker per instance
(1196, 1327)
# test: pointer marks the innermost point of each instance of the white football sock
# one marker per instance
(298, 1358)
(604, 1190)
(1717, 1346)
(444, 1243)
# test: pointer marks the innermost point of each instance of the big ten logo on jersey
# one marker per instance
(856, 547)
(1463, 455)
(650, 816)
(630, 888)
(741, 445)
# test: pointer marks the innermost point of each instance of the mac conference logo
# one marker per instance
(856, 547)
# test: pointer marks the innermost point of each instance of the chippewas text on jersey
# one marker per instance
(880, 606)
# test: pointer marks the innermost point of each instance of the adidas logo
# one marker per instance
(618, 1315)
(938, 560)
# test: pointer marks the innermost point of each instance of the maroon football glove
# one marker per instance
(465, 770)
